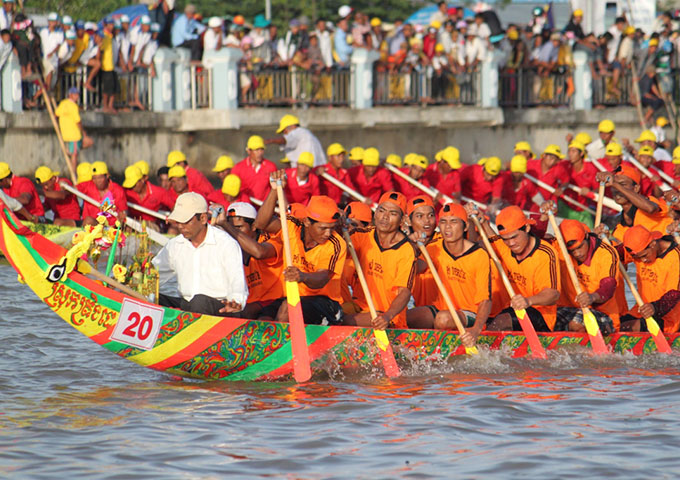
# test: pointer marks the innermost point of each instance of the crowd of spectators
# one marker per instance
(445, 54)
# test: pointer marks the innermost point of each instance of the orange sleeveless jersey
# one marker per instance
(264, 276)
(467, 278)
(538, 271)
(604, 263)
(656, 222)
(657, 278)
(386, 271)
(327, 256)
(425, 290)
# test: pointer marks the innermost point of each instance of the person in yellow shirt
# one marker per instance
(72, 131)
(109, 77)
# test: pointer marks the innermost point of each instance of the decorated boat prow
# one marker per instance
(224, 348)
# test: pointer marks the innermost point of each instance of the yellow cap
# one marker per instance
(513, 35)
(482, 161)
(518, 164)
(409, 158)
(439, 48)
(84, 172)
(661, 122)
(629, 30)
(578, 12)
(143, 166)
(255, 142)
(553, 150)
(654, 42)
(177, 172)
(335, 149)
(646, 136)
(436, 24)
(223, 162)
(584, 138)
(175, 157)
(438, 156)
(4, 170)
(420, 161)
(493, 165)
(371, 157)
(306, 158)
(375, 22)
(577, 145)
(44, 174)
(231, 185)
(451, 155)
(606, 126)
(393, 159)
(285, 160)
(287, 121)
(613, 149)
(646, 150)
(99, 168)
(676, 155)
(132, 175)
(523, 146)
(357, 153)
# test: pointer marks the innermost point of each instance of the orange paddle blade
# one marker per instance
(593, 329)
(659, 339)
(301, 368)
(537, 350)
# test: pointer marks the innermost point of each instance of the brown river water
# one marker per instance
(70, 409)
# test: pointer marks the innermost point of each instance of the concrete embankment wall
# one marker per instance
(27, 140)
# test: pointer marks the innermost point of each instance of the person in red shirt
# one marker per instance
(199, 183)
(415, 168)
(180, 183)
(301, 183)
(484, 183)
(63, 204)
(549, 170)
(254, 170)
(101, 187)
(336, 154)
(613, 158)
(445, 174)
(22, 189)
(519, 190)
(83, 173)
(581, 174)
(523, 148)
(650, 186)
(223, 167)
(229, 193)
(145, 194)
(371, 179)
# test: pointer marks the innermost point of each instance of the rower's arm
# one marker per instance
(56, 194)
(640, 201)
(275, 141)
(547, 296)
(483, 312)
(249, 245)
(265, 220)
(24, 198)
(318, 279)
(399, 303)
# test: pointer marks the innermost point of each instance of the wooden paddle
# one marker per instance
(645, 171)
(652, 325)
(600, 203)
(148, 211)
(589, 320)
(552, 190)
(350, 191)
(537, 349)
(447, 298)
(302, 370)
(386, 353)
(610, 202)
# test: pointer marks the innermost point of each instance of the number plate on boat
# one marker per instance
(138, 324)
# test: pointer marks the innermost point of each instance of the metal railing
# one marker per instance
(424, 86)
(525, 88)
(607, 92)
(287, 87)
(201, 87)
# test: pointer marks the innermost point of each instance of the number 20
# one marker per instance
(144, 325)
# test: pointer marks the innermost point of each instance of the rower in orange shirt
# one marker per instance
(484, 183)
(638, 209)
(370, 178)
(262, 257)
(414, 166)
(657, 260)
(444, 175)
(465, 269)
(145, 194)
(22, 189)
(388, 262)
(302, 184)
(597, 268)
(318, 258)
(229, 193)
(335, 168)
(532, 266)
(358, 215)
(254, 170)
(197, 180)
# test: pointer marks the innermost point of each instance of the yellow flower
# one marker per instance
(119, 272)
(101, 219)
(77, 237)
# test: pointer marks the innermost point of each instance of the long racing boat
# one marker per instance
(222, 348)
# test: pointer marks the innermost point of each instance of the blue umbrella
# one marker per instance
(135, 13)
(423, 16)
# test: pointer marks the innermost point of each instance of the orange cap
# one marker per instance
(419, 201)
(395, 197)
(359, 211)
(453, 210)
(297, 210)
(573, 231)
(630, 172)
(637, 238)
(321, 208)
(512, 218)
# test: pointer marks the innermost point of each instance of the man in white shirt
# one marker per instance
(123, 42)
(51, 39)
(296, 140)
(7, 14)
(325, 42)
(139, 37)
(213, 39)
(207, 262)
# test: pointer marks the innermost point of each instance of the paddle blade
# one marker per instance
(593, 329)
(386, 354)
(659, 339)
(537, 350)
(471, 350)
(301, 368)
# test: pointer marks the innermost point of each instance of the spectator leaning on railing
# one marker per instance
(186, 31)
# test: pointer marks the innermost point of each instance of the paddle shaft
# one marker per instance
(115, 283)
(610, 202)
(350, 191)
(645, 171)
(600, 203)
(552, 190)
(148, 211)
